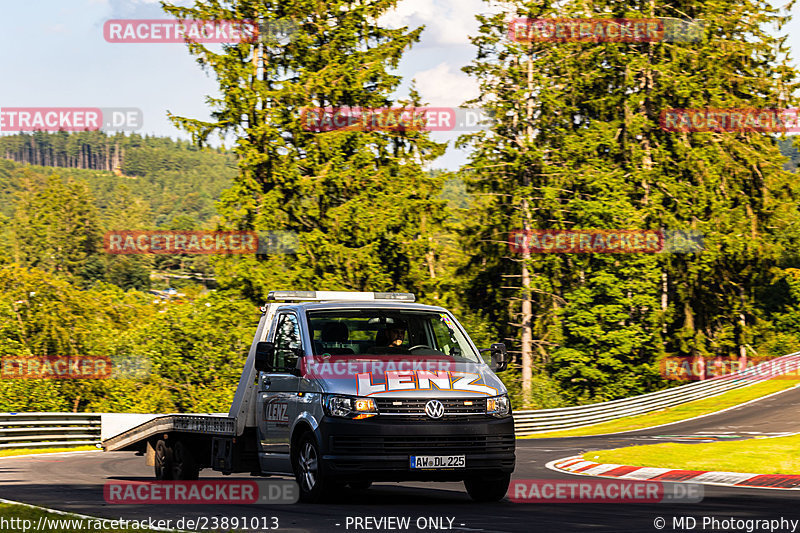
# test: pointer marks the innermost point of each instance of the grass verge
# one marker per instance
(22, 518)
(29, 451)
(777, 455)
(677, 413)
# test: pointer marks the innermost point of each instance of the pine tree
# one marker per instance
(56, 226)
(359, 201)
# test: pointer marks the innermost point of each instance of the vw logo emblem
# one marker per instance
(434, 409)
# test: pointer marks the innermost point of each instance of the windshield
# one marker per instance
(377, 332)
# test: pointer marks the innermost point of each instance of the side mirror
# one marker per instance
(498, 354)
(298, 371)
(265, 356)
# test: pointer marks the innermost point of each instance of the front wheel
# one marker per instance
(314, 487)
(488, 489)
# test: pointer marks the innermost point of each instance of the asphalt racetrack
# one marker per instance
(75, 483)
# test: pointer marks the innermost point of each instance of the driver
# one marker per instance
(395, 334)
(390, 338)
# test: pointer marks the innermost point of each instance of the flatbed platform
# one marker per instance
(135, 438)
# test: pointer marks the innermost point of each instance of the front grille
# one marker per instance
(414, 408)
(421, 445)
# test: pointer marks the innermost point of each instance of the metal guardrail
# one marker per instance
(31, 430)
(544, 420)
(52, 430)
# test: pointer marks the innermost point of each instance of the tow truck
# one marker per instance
(349, 388)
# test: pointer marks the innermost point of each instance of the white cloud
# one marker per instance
(447, 22)
(444, 85)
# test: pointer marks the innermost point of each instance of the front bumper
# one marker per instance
(379, 449)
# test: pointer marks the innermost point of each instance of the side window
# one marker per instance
(445, 340)
(287, 341)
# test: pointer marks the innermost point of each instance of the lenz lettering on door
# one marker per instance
(276, 412)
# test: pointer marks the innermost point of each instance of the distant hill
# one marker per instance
(173, 178)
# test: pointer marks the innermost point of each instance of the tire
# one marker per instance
(360, 485)
(314, 487)
(164, 466)
(488, 489)
(184, 467)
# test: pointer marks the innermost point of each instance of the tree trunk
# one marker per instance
(527, 304)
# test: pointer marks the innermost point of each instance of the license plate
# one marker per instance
(438, 461)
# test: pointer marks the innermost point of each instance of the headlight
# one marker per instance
(349, 406)
(498, 406)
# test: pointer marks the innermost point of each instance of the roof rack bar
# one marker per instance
(339, 295)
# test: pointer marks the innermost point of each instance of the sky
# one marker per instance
(54, 54)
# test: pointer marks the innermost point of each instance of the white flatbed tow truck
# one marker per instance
(349, 388)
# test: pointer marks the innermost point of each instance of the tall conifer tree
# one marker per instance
(359, 201)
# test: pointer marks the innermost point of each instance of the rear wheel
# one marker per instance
(314, 487)
(488, 489)
(184, 466)
(164, 461)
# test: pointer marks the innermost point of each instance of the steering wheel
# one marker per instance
(420, 346)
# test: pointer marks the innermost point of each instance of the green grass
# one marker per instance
(776, 455)
(58, 523)
(677, 413)
(27, 451)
